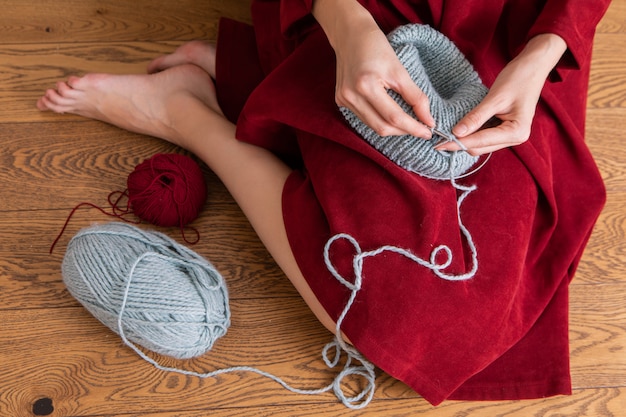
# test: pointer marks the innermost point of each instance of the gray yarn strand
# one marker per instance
(159, 294)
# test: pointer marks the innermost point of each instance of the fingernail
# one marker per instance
(460, 130)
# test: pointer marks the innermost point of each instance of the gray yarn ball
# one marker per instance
(176, 303)
(453, 88)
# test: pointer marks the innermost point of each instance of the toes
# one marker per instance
(155, 65)
(199, 53)
(55, 102)
(64, 90)
(42, 104)
(74, 82)
(62, 99)
(45, 104)
(164, 62)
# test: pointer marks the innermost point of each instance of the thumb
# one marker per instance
(473, 120)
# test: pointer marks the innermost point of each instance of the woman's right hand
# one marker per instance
(367, 67)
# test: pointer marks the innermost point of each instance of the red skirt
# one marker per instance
(502, 334)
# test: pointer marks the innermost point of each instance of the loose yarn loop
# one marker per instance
(359, 257)
(159, 294)
(432, 264)
(453, 88)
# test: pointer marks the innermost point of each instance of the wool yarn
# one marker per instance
(143, 284)
(453, 88)
(161, 295)
(167, 190)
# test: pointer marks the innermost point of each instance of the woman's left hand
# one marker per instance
(512, 99)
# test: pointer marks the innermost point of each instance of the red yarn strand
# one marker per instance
(85, 203)
(165, 190)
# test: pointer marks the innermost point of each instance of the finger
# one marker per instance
(399, 119)
(370, 116)
(509, 133)
(396, 119)
(378, 117)
(416, 98)
(473, 151)
(474, 119)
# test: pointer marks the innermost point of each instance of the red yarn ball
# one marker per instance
(167, 190)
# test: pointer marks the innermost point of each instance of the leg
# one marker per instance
(168, 105)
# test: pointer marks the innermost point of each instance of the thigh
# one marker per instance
(255, 177)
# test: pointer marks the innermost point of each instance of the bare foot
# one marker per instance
(199, 53)
(144, 104)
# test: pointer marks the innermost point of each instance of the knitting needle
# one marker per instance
(445, 138)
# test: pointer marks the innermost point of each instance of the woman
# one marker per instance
(302, 175)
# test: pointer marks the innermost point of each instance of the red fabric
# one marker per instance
(502, 334)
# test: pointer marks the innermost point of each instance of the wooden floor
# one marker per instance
(54, 355)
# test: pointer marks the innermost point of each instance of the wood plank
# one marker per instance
(30, 277)
(603, 259)
(598, 335)
(28, 70)
(65, 164)
(86, 153)
(607, 80)
(614, 21)
(81, 362)
(76, 356)
(601, 402)
(605, 138)
(41, 21)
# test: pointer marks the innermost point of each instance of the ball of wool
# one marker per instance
(161, 294)
(453, 88)
(167, 190)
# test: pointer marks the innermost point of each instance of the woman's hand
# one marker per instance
(512, 99)
(367, 67)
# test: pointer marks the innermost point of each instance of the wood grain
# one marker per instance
(42, 21)
(603, 259)
(605, 137)
(613, 21)
(286, 342)
(51, 347)
(607, 81)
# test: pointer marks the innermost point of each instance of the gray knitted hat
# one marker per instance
(453, 88)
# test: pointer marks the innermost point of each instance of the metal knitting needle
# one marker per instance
(445, 138)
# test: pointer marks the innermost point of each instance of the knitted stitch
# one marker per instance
(453, 88)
